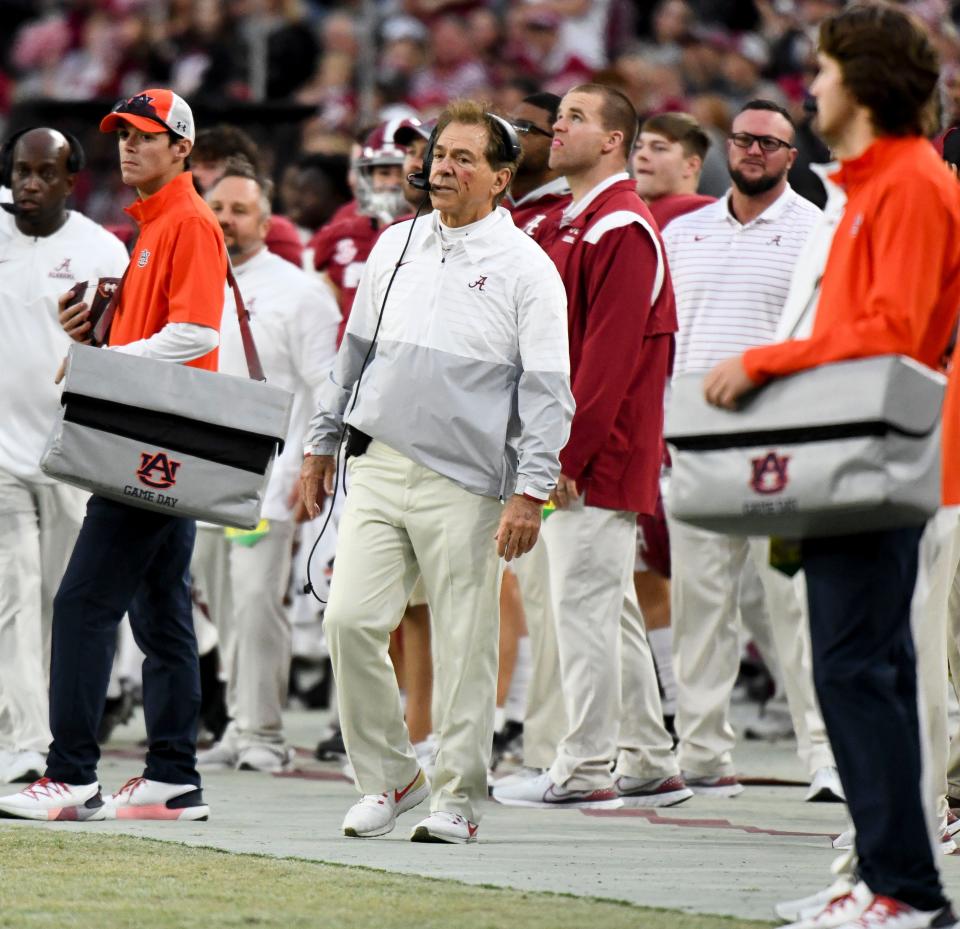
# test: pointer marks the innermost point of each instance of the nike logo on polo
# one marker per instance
(398, 795)
(699, 238)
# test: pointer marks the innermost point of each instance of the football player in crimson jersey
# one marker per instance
(537, 191)
(341, 248)
(667, 161)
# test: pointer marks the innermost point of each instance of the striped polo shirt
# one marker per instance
(731, 279)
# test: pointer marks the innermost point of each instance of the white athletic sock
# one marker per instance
(661, 644)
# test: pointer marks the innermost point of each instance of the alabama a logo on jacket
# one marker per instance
(769, 473)
(157, 469)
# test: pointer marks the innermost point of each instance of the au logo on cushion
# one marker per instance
(769, 473)
(157, 469)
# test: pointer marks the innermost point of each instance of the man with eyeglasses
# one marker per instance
(731, 263)
(537, 190)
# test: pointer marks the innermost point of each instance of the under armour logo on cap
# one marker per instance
(152, 110)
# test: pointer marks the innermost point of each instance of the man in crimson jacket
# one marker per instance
(622, 318)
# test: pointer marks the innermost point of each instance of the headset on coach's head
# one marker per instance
(510, 151)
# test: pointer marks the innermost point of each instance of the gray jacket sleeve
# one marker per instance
(544, 399)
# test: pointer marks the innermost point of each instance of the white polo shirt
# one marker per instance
(731, 279)
(34, 272)
(294, 319)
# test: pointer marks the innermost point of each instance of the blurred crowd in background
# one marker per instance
(306, 76)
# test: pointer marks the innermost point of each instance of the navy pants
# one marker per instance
(864, 670)
(126, 560)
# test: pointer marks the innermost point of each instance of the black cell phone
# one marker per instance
(951, 147)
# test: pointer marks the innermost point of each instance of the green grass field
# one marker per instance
(61, 879)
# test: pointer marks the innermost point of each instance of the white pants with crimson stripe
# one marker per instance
(707, 569)
(402, 520)
(38, 527)
(609, 681)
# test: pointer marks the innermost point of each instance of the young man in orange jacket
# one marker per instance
(128, 559)
(891, 286)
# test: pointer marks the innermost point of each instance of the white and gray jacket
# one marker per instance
(470, 375)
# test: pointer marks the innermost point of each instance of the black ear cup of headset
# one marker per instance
(76, 161)
(510, 150)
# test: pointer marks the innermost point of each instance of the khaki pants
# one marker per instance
(609, 680)
(707, 568)
(545, 719)
(935, 623)
(402, 520)
(38, 527)
(258, 660)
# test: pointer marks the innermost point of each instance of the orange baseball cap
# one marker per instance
(153, 110)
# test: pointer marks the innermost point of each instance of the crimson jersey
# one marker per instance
(282, 239)
(340, 250)
(543, 205)
(673, 205)
(622, 317)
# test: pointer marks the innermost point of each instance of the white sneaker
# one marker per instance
(951, 825)
(542, 792)
(376, 814)
(450, 828)
(713, 785)
(825, 787)
(770, 727)
(521, 774)
(22, 767)
(143, 799)
(887, 913)
(793, 911)
(838, 911)
(662, 791)
(48, 800)
(845, 839)
(266, 758)
(221, 756)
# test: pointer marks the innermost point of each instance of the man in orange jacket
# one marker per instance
(891, 286)
(129, 560)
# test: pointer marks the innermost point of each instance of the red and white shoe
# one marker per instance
(376, 814)
(843, 908)
(713, 785)
(49, 800)
(443, 827)
(664, 791)
(542, 792)
(140, 798)
(887, 913)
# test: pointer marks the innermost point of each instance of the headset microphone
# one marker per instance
(11, 208)
(421, 180)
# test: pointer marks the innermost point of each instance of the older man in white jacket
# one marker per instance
(467, 401)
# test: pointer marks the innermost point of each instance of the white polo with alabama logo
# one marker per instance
(39, 517)
(731, 282)
(731, 278)
(34, 272)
